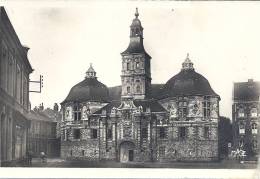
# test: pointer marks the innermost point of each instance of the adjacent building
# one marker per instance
(42, 135)
(141, 121)
(14, 93)
(246, 117)
(225, 137)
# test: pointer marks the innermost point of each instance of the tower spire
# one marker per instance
(187, 64)
(136, 13)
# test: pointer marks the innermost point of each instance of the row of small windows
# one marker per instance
(144, 133)
(242, 143)
(253, 112)
(138, 89)
(183, 111)
(242, 128)
(137, 65)
(13, 79)
(77, 134)
(182, 131)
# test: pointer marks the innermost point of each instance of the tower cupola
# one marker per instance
(91, 73)
(187, 64)
(136, 26)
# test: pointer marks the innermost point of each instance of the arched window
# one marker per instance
(137, 65)
(128, 89)
(138, 89)
(241, 112)
(254, 128)
(253, 112)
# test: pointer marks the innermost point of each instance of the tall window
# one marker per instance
(144, 133)
(109, 133)
(162, 133)
(253, 112)
(241, 112)
(127, 66)
(162, 151)
(254, 142)
(182, 107)
(19, 84)
(138, 89)
(254, 128)
(25, 92)
(10, 77)
(3, 62)
(241, 143)
(206, 132)
(206, 106)
(77, 112)
(241, 128)
(94, 133)
(137, 65)
(76, 133)
(128, 89)
(182, 132)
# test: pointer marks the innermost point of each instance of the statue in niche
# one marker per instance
(140, 108)
(214, 110)
(86, 112)
(68, 113)
(194, 108)
(173, 110)
(113, 111)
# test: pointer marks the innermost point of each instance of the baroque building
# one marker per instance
(246, 117)
(140, 121)
(15, 69)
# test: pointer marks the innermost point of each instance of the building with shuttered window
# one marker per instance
(245, 116)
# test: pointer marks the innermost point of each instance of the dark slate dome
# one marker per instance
(188, 82)
(89, 89)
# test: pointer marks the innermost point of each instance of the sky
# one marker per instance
(222, 39)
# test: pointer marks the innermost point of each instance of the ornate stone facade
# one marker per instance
(176, 121)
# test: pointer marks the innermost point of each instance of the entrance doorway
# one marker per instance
(127, 152)
(131, 155)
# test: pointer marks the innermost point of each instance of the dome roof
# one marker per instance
(136, 22)
(188, 82)
(89, 89)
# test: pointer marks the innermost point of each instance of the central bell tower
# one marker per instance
(136, 70)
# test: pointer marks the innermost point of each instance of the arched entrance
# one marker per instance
(127, 151)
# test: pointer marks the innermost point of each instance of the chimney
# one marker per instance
(56, 107)
(41, 107)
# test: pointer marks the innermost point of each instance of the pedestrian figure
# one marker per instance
(29, 157)
(43, 157)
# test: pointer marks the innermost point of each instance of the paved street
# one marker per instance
(57, 162)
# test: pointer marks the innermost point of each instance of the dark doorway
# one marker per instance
(131, 155)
